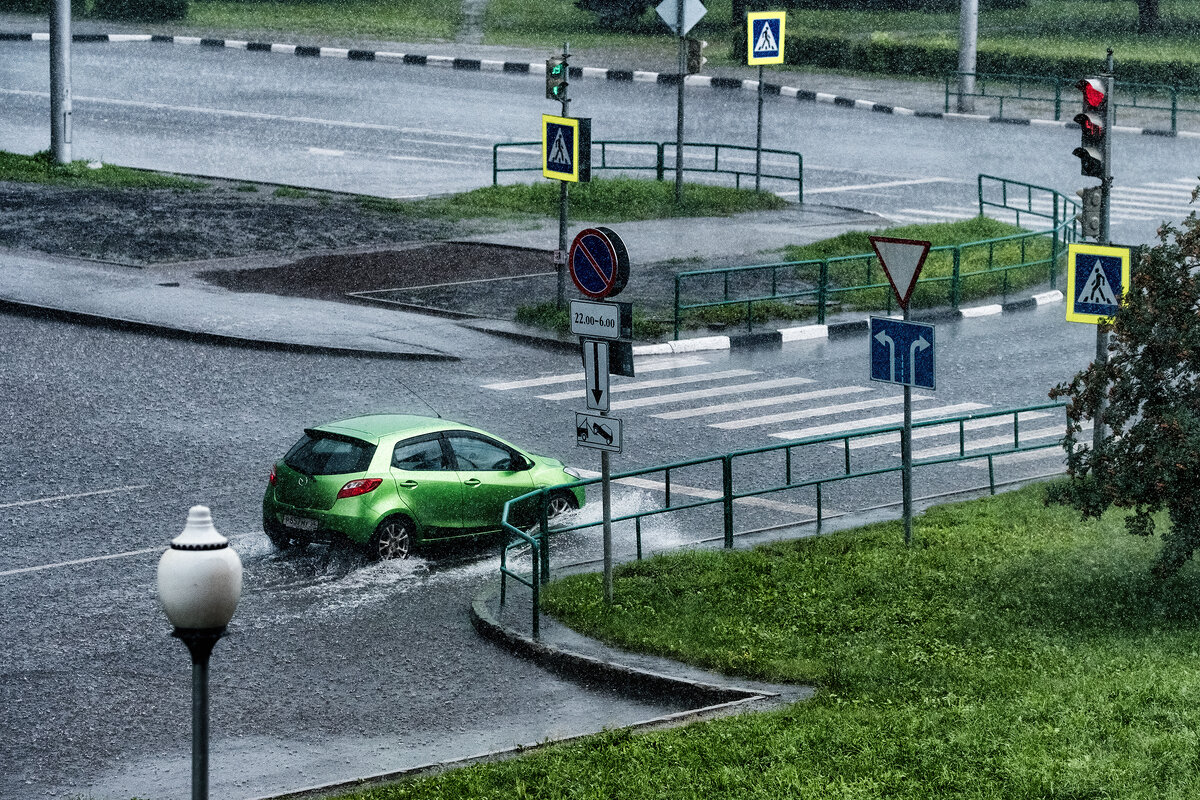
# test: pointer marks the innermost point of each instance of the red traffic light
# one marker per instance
(1093, 91)
(1093, 126)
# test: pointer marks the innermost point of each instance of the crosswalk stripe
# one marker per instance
(1152, 193)
(547, 380)
(1017, 458)
(942, 430)
(1143, 204)
(710, 494)
(656, 383)
(995, 441)
(878, 422)
(742, 405)
(716, 391)
(807, 413)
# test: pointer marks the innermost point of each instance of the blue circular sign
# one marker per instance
(599, 262)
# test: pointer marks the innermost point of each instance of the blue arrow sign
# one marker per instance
(902, 352)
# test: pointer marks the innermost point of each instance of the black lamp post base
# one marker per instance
(200, 641)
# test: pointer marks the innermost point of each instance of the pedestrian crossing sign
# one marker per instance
(1097, 278)
(764, 37)
(567, 148)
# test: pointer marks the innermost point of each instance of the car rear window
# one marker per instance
(322, 454)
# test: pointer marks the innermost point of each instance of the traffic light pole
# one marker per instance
(1106, 179)
(679, 103)
(561, 266)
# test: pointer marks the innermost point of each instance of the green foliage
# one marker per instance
(41, 168)
(1150, 390)
(78, 7)
(616, 13)
(412, 20)
(141, 10)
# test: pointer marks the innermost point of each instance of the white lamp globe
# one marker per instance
(199, 576)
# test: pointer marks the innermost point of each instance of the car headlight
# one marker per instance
(574, 473)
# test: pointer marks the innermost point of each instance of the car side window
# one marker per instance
(420, 455)
(475, 453)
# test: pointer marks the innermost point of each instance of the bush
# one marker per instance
(141, 10)
(615, 13)
(78, 7)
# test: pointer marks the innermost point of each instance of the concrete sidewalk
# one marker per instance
(172, 301)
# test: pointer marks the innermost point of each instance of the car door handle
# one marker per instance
(409, 484)
(472, 481)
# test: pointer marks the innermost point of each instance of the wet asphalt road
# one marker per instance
(336, 668)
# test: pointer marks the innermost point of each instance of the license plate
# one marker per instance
(299, 523)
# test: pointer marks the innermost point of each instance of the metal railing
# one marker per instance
(538, 539)
(627, 155)
(999, 87)
(984, 266)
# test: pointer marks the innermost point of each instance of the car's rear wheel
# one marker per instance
(392, 539)
(560, 503)
(279, 536)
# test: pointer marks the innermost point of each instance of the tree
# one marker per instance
(1149, 460)
(1148, 16)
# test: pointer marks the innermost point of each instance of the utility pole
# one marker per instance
(60, 81)
(1106, 180)
(968, 33)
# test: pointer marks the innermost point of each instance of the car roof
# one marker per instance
(374, 427)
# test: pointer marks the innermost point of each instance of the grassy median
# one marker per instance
(1012, 652)
(42, 168)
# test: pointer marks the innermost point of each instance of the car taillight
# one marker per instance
(271, 480)
(361, 486)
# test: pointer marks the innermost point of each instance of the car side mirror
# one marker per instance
(521, 463)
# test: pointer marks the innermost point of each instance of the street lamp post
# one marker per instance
(199, 583)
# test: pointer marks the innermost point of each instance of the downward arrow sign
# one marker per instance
(596, 375)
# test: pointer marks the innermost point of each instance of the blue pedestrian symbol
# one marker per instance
(902, 352)
(1098, 282)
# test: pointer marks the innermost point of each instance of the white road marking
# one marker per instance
(742, 405)
(90, 560)
(650, 366)
(710, 494)
(878, 422)
(941, 430)
(716, 391)
(58, 497)
(995, 441)
(656, 384)
(321, 151)
(887, 185)
(807, 413)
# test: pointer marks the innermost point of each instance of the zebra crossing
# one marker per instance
(1153, 201)
(713, 396)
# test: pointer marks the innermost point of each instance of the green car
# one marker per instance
(392, 481)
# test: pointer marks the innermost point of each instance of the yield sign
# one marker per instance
(902, 260)
(693, 10)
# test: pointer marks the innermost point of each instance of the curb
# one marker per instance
(134, 326)
(620, 75)
(778, 337)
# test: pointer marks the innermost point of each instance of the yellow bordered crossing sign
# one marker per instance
(567, 148)
(1097, 278)
(764, 37)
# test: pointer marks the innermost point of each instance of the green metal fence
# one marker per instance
(1045, 89)
(983, 268)
(627, 155)
(790, 458)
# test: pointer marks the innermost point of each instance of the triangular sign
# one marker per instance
(1097, 290)
(559, 154)
(766, 40)
(902, 260)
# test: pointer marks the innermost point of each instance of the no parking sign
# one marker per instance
(599, 262)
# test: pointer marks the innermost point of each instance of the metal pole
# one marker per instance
(906, 451)
(200, 729)
(60, 81)
(1105, 193)
(968, 31)
(606, 502)
(679, 104)
(758, 140)
(561, 266)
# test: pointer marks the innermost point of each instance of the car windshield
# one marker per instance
(322, 454)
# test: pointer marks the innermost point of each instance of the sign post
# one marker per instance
(764, 45)
(902, 260)
(599, 267)
(680, 16)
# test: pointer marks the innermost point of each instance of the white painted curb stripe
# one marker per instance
(1048, 297)
(982, 311)
(804, 332)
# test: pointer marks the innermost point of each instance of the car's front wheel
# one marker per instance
(560, 503)
(392, 539)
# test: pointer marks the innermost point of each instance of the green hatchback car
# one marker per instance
(389, 482)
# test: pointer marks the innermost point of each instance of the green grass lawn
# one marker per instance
(1012, 652)
(412, 20)
(41, 168)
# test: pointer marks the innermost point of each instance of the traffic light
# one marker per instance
(695, 55)
(556, 78)
(1089, 219)
(1092, 123)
